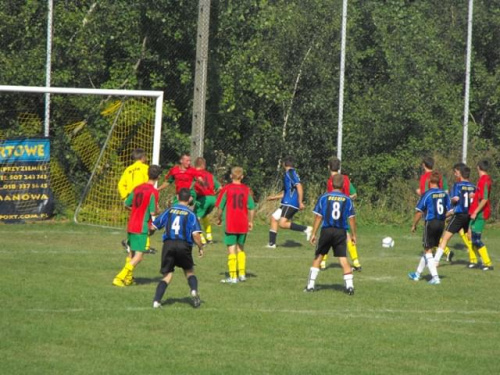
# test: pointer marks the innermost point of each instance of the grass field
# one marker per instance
(60, 314)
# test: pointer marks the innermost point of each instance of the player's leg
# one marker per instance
(241, 258)
(273, 230)
(442, 244)
(314, 271)
(467, 242)
(209, 206)
(477, 230)
(286, 222)
(348, 276)
(230, 240)
(167, 266)
(193, 286)
(473, 254)
(435, 232)
(340, 251)
(138, 246)
(161, 288)
(353, 253)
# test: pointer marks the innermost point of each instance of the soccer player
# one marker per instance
(182, 229)
(349, 190)
(143, 203)
(435, 204)
(183, 176)
(133, 176)
(480, 211)
(235, 211)
(206, 189)
(333, 210)
(461, 197)
(291, 203)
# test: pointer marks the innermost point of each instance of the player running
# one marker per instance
(291, 202)
(334, 210)
(435, 204)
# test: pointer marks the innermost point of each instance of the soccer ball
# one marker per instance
(387, 242)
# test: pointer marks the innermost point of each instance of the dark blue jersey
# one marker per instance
(179, 223)
(290, 195)
(434, 204)
(463, 190)
(335, 208)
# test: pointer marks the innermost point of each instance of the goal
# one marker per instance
(91, 134)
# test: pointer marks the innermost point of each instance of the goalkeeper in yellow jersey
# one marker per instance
(133, 176)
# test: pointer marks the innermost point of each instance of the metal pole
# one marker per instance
(467, 83)
(200, 79)
(342, 73)
(48, 68)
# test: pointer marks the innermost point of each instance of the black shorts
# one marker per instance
(457, 222)
(176, 253)
(288, 212)
(335, 238)
(433, 230)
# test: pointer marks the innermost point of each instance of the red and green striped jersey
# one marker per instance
(483, 192)
(208, 184)
(183, 178)
(235, 201)
(347, 188)
(143, 202)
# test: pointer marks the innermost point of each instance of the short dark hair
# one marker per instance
(428, 162)
(184, 195)
(435, 178)
(465, 172)
(154, 171)
(458, 166)
(288, 161)
(138, 154)
(338, 181)
(484, 165)
(334, 164)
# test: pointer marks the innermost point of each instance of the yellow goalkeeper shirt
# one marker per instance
(132, 177)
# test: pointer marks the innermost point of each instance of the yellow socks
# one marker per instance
(120, 279)
(470, 248)
(483, 252)
(242, 258)
(148, 243)
(353, 252)
(231, 265)
(207, 227)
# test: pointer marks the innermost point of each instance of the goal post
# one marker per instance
(92, 133)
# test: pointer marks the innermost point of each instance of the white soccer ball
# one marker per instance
(388, 242)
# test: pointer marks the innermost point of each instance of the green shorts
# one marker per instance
(204, 205)
(193, 195)
(477, 225)
(231, 239)
(137, 242)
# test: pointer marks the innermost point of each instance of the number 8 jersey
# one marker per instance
(435, 203)
(335, 208)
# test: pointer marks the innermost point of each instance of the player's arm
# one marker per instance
(353, 193)
(220, 204)
(251, 211)
(128, 201)
(352, 225)
(276, 197)
(197, 241)
(300, 192)
(122, 186)
(481, 204)
(169, 178)
(317, 222)
(416, 219)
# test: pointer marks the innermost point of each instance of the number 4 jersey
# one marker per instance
(435, 203)
(335, 208)
(235, 200)
(179, 223)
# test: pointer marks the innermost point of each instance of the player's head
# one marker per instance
(435, 178)
(185, 160)
(428, 162)
(237, 173)
(184, 195)
(457, 169)
(154, 171)
(334, 164)
(139, 154)
(338, 182)
(200, 163)
(483, 165)
(288, 162)
(465, 172)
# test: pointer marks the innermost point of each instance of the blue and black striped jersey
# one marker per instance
(179, 223)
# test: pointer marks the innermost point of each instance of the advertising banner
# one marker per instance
(25, 192)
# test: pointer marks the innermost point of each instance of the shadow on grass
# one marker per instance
(249, 275)
(291, 243)
(334, 287)
(172, 301)
(145, 280)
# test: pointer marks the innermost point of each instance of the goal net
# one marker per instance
(86, 145)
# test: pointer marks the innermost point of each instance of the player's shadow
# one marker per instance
(146, 280)
(291, 243)
(172, 301)
(332, 265)
(249, 275)
(334, 287)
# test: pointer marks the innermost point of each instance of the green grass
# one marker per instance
(59, 313)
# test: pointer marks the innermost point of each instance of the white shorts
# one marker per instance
(277, 214)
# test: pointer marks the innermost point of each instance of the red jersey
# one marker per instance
(143, 201)
(207, 186)
(183, 178)
(424, 182)
(235, 200)
(483, 191)
(346, 188)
